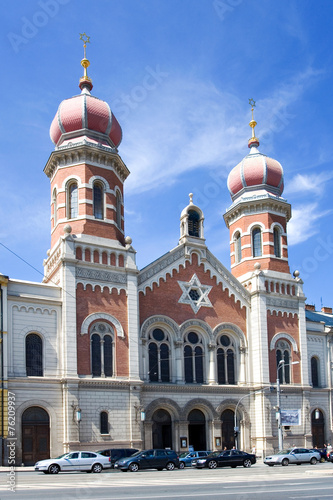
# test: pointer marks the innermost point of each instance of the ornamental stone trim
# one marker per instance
(197, 323)
(160, 320)
(165, 262)
(97, 275)
(199, 403)
(225, 327)
(228, 281)
(284, 303)
(284, 336)
(102, 316)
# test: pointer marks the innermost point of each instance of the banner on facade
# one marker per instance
(290, 417)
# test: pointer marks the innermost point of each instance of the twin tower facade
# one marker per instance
(102, 354)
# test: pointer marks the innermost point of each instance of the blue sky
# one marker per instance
(178, 75)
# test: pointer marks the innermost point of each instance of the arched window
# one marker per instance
(315, 372)
(55, 208)
(159, 356)
(118, 209)
(98, 198)
(102, 350)
(283, 353)
(225, 360)
(104, 422)
(193, 223)
(238, 247)
(256, 242)
(277, 242)
(34, 355)
(193, 359)
(72, 201)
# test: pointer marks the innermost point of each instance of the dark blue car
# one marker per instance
(149, 459)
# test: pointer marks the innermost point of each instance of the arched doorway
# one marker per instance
(318, 428)
(197, 430)
(227, 419)
(35, 435)
(162, 431)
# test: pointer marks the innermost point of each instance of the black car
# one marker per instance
(149, 459)
(117, 453)
(231, 458)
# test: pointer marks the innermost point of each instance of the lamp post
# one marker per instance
(278, 399)
(236, 428)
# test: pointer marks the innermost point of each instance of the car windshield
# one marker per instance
(284, 452)
(136, 454)
(184, 454)
(63, 455)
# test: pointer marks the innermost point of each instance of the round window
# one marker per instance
(158, 334)
(225, 340)
(193, 338)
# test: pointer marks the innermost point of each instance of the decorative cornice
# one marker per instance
(284, 303)
(86, 152)
(100, 276)
(257, 204)
(157, 268)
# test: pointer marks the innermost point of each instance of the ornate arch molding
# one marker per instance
(159, 320)
(33, 329)
(102, 316)
(230, 404)
(227, 327)
(285, 336)
(163, 404)
(196, 323)
(199, 404)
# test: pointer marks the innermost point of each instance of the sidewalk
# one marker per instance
(18, 468)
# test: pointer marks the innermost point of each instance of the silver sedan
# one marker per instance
(86, 461)
(293, 456)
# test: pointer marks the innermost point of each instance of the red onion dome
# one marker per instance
(85, 115)
(256, 171)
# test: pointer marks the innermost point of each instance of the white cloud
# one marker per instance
(304, 221)
(183, 125)
(308, 183)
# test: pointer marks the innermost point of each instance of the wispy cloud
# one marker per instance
(305, 184)
(304, 222)
(184, 125)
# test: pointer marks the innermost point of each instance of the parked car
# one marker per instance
(231, 458)
(293, 456)
(187, 458)
(330, 456)
(149, 459)
(117, 453)
(87, 461)
(322, 452)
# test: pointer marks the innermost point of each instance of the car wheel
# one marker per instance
(313, 461)
(247, 463)
(54, 469)
(212, 464)
(170, 466)
(97, 468)
(285, 462)
(133, 467)
(181, 465)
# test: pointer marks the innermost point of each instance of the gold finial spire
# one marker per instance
(85, 63)
(253, 141)
(191, 198)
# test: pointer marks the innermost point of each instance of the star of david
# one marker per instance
(195, 294)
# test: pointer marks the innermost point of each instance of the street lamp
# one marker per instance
(278, 396)
(236, 428)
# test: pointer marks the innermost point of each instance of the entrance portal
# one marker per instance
(162, 433)
(228, 439)
(318, 428)
(197, 430)
(35, 435)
